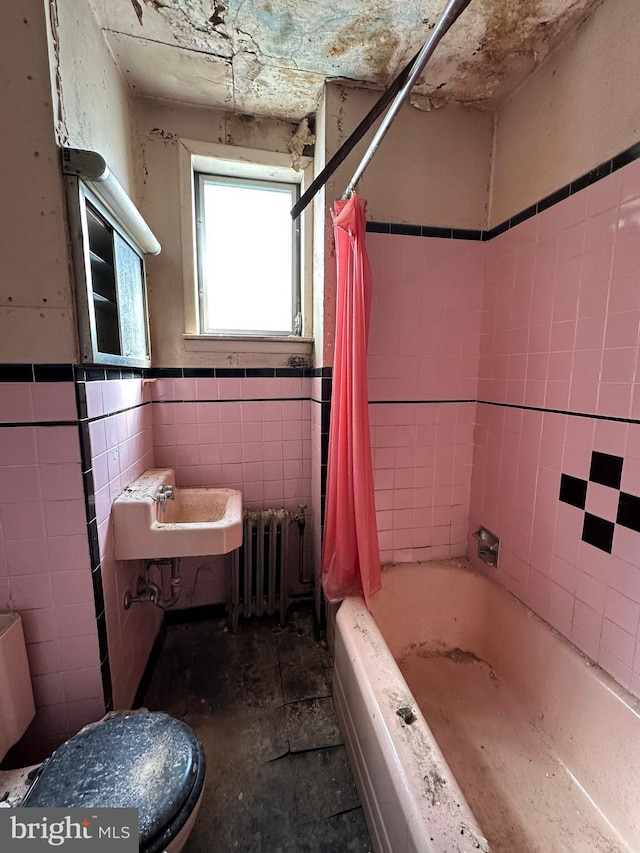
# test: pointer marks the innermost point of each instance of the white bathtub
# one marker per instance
(520, 743)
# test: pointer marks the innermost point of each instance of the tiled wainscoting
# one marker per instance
(503, 370)
(45, 565)
(67, 449)
(423, 367)
(560, 384)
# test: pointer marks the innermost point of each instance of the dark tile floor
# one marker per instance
(278, 778)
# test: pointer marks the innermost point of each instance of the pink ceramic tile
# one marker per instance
(611, 437)
(76, 620)
(564, 574)
(48, 689)
(72, 587)
(626, 258)
(589, 333)
(54, 401)
(587, 620)
(586, 365)
(619, 365)
(75, 654)
(68, 553)
(16, 403)
(26, 556)
(624, 293)
(602, 501)
(31, 592)
(614, 399)
(65, 517)
(18, 446)
(622, 611)
(44, 658)
(82, 684)
(625, 578)
(22, 521)
(618, 642)
(206, 389)
(95, 405)
(590, 591)
(61, 482)
(57, 444)
(20, 483)
(39, 625)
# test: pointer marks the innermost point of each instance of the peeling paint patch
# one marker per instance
(137, 8)
(282, 51)
(62, 131)
(377, 45)
(300, 139)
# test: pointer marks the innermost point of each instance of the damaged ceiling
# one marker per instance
(272, 57)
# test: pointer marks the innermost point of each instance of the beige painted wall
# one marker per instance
(159, 128)
(432, 168)
(95, 106)
(578, 110)
(36, 315)
(59, 85)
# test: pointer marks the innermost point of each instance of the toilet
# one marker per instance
(135, 759)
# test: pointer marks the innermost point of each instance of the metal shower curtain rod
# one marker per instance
(451, 13)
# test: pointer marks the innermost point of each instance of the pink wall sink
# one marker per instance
(196, 522)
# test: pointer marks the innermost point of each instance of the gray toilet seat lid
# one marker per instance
(147, 761)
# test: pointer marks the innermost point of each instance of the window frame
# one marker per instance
(236, 161)
(200, 179)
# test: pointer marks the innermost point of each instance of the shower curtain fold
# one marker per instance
(350, 555)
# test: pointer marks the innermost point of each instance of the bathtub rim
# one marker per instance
(429, 827)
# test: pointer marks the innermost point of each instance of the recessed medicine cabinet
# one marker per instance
(109, 239)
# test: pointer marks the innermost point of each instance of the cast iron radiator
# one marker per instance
(258, 583)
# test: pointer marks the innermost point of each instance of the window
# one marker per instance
(233, 202)
(248, 256)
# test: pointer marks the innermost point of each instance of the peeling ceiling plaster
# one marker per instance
(272, 57)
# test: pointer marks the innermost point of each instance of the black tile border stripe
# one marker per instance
(84, 440)
(78, 373)
(14, 424)
(417, 402)
(612, 418)
(591, 177)
(326, 405)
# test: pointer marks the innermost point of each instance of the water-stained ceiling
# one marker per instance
(272, 57)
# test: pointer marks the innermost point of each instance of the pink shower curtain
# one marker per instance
(350, 556)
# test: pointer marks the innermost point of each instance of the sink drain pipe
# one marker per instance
(147, 590)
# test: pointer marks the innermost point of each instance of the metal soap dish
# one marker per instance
(488, 545)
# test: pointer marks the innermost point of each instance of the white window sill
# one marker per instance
(274, 345)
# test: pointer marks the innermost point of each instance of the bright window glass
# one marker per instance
(247, 256)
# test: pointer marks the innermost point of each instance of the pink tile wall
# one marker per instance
(422, 478)
(45, 571)
(423, 349)
(252, 434)
(560, 330)
(122, 449)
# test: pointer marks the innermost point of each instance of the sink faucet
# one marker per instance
(165, 493)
